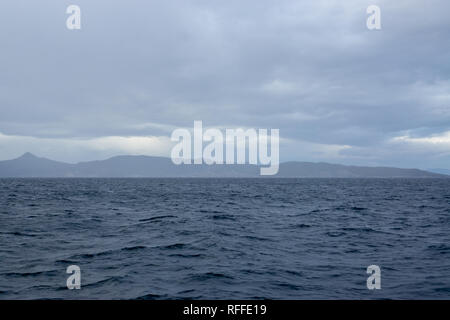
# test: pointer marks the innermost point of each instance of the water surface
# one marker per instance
(224, 238)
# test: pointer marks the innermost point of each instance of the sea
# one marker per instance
(196, 238)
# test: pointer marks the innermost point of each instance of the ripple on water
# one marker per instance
(224, 238)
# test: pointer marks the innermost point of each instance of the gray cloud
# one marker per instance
(337, 91)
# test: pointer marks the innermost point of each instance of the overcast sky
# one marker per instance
(137, 70)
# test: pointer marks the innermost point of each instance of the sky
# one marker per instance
(137, 70)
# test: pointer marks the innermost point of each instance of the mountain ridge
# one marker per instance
(29, 165)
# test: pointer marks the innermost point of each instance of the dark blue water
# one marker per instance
(224, 238)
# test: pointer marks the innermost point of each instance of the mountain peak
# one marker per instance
(28, 155)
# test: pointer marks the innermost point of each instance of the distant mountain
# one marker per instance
(440, 171)
(29, 165)
(327, 170)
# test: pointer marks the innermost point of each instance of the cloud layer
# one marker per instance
(136, 70)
